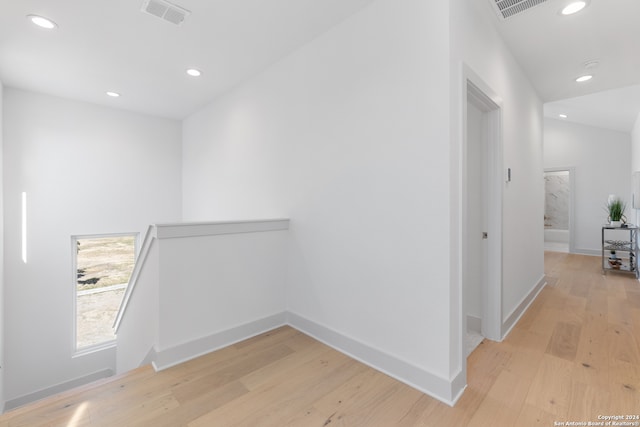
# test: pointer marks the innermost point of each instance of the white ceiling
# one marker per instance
(111, 45)
(552, 49)
(615, 109)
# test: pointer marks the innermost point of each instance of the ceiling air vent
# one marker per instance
(508, 8)
(165, 10)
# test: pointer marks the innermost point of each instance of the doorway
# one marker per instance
(482, 217)
(558, 209)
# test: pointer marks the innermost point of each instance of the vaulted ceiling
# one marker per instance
(114, 46)
(554, 50)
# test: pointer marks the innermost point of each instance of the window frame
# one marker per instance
(81, 351)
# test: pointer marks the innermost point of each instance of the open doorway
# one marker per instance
(482, 217)
(558, 209)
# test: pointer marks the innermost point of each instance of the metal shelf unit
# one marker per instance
(620, 249)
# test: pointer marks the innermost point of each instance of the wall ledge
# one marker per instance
(186, 230)
(195, 229)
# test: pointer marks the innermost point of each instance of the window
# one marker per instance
(103, 266)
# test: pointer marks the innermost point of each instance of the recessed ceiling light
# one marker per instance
(193, 72)
(562, 116)
(573, 7)
(584, 78)
(42, 22)
(113, 94)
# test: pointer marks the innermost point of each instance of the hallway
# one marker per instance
(574, 356)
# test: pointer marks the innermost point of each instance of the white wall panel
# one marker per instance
(86, 170)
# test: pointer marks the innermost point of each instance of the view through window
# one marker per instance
(103, 268)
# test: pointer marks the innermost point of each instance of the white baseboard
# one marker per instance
(592, 252)
(458, 386)
(58, 388)
(150, 357)
(444, 390)
(516, 314)
(427, 382)
(172, 356)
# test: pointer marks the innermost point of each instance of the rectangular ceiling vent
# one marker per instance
(508, 8)
(165, 10)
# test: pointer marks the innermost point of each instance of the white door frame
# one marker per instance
(475, 90)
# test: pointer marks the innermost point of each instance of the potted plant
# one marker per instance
(616, 208)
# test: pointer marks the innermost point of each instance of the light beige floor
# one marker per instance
(574, 356)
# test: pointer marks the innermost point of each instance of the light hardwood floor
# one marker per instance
(573, 356)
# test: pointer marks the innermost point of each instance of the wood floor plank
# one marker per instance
(597, 302)
(564, 341)
(546, 322)
(142, 411)
(580, 284)
(574, 309)
(503, 403)
(618, 310)
(551, 387)
(525, 363)
(381, 401)
(588, 402)
(289, 384)
(273, 372)
(592, 357)
(616, 285)
(420, 413)
(196, 407)
(230, 373)
(635, 325)
(225, 357)
(287, 407)
(532, 416)
(575, 354)
(624, 386)
(622, 345)
(633, 296)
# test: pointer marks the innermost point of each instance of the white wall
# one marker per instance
(86, 169)
(225, 281)
(137, 332)
(349, 137)
(635, 146)
(476, 44)
(602, 167)
(635, 158)
(204, 286)
(356, 137)
(1, 252)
